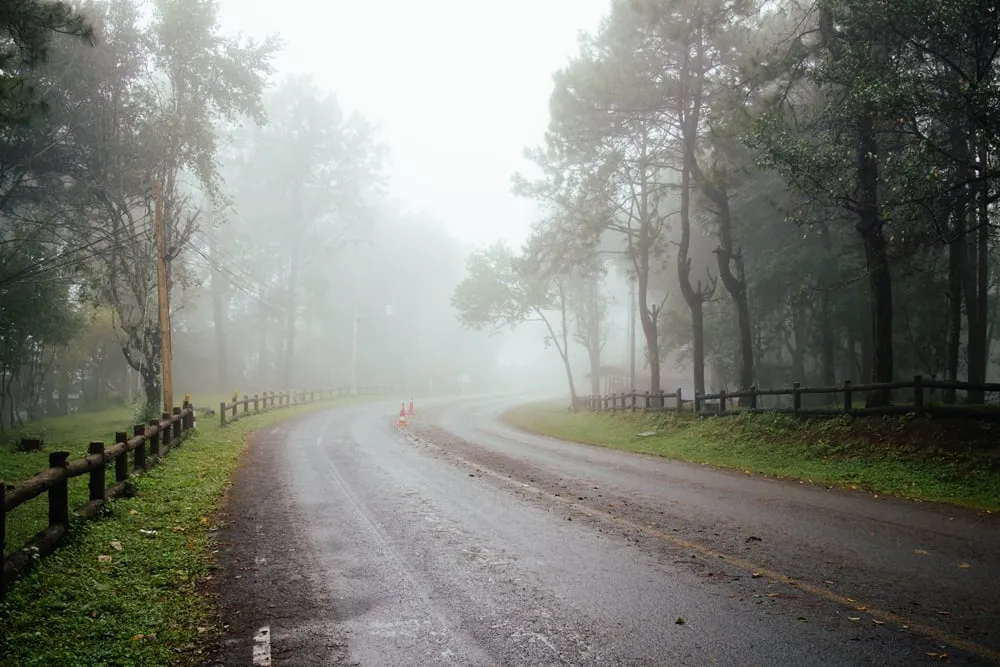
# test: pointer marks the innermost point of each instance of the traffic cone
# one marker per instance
(402, 414)
(410, 410)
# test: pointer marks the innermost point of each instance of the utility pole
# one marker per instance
(163, 295)
(354, 351)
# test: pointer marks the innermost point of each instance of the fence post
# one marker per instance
(722, 401)
(246, 405)
(177, 425)
(256, 403)
(98, 485)
(848, 399)
(680, 401)
(154, 439)
(59, 492)
(140, 451)
(165, 439)
(121, 463)
(697, 403)
(222, 413)
(236, 404)
(796, 397)
(918, 394)
(753, 397)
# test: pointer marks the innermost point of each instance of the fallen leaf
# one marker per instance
(828, 583)
(772, 595)
(680, 620)
(944, 613)
(116, 545)
(134, 512)
(922, 552)
(104, 558)
(137, 638)
(875, 621)
(755, 575)
(854, 618)
(964, 566)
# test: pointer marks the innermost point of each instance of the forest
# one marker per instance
(799, 191)
(288, 263)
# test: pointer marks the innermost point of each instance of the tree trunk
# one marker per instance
(955, 253)
(978, 336)
(695, 298)
(698, 343)
(595, 370)
(151, 386)
(647, 316)
(219, 317)
(262, 370)
(565, 344)
(827, 335)
(290, 319)
(728, 256)
(870, 227)
(798, 346)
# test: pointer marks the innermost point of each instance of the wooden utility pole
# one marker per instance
(163, 295)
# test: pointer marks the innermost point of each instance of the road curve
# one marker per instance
(463, 542)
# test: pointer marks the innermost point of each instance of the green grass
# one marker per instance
(142, 607)
(942, 460)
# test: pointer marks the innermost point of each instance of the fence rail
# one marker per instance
(149, 444)
(160, 436)
(920, 398)
(245, 406)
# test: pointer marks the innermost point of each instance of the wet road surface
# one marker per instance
(465, 542)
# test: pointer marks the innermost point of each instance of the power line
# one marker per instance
(235, 280)
(67, 258)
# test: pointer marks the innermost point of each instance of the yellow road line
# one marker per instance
(853, 604)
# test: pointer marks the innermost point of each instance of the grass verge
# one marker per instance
(943, 460)
(123, 590)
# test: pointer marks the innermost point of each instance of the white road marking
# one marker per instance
(262, 647)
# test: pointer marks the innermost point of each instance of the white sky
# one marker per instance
(460, 88)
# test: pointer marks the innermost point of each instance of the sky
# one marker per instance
(459, 87)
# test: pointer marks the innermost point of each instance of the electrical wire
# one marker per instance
(68, 257)
(235, 280)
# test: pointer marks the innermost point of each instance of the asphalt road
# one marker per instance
(464, 542)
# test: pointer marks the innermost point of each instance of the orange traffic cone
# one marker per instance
(402, 415)
(410, 410)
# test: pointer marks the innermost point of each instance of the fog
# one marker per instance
(545, 196)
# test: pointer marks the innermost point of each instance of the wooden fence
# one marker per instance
(239, 407)
(919, 396)
(149, 444)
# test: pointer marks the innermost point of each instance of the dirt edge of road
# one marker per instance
(262, 554)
